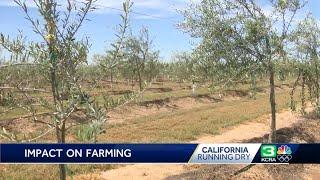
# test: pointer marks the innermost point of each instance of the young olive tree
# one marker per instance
(306, 50)
(110, 62)
(184, 66)
(241, 36)
(18, 75)
(58, 57)
(139, 53)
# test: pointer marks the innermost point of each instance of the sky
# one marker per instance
(161, 18)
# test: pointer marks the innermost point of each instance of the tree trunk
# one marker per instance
(140, 81)
(272, 135)
(59, 132)
(253, 85)
(63, 172)
(316, 60)
(61, 139)
(63, 167)
(292, 103)
(303, 99)
(111, 79)
(56, 97)
(132, 83)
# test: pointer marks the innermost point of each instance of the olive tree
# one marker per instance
(239, 35)
(139, 53)
(306, 51)
(58, 57)
(184, 66)
(111, 60)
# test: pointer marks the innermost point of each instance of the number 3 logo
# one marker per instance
(268, 151)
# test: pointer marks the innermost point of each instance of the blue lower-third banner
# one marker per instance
(160, 153)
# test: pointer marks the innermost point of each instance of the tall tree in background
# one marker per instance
(240, 36)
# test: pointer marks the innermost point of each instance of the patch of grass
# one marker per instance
(186, 125)
(34, 172)
(176, 94)
(19, 112)
(28, 172)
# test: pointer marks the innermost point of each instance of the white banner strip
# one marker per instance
(225, 153)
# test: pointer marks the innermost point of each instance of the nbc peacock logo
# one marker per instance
(284, 153)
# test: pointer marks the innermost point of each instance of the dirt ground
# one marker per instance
(292, 128)
(304, 131)
(133, 111)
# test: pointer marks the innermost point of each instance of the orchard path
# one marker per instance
(236, 134)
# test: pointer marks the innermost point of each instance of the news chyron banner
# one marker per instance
(159, 153)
